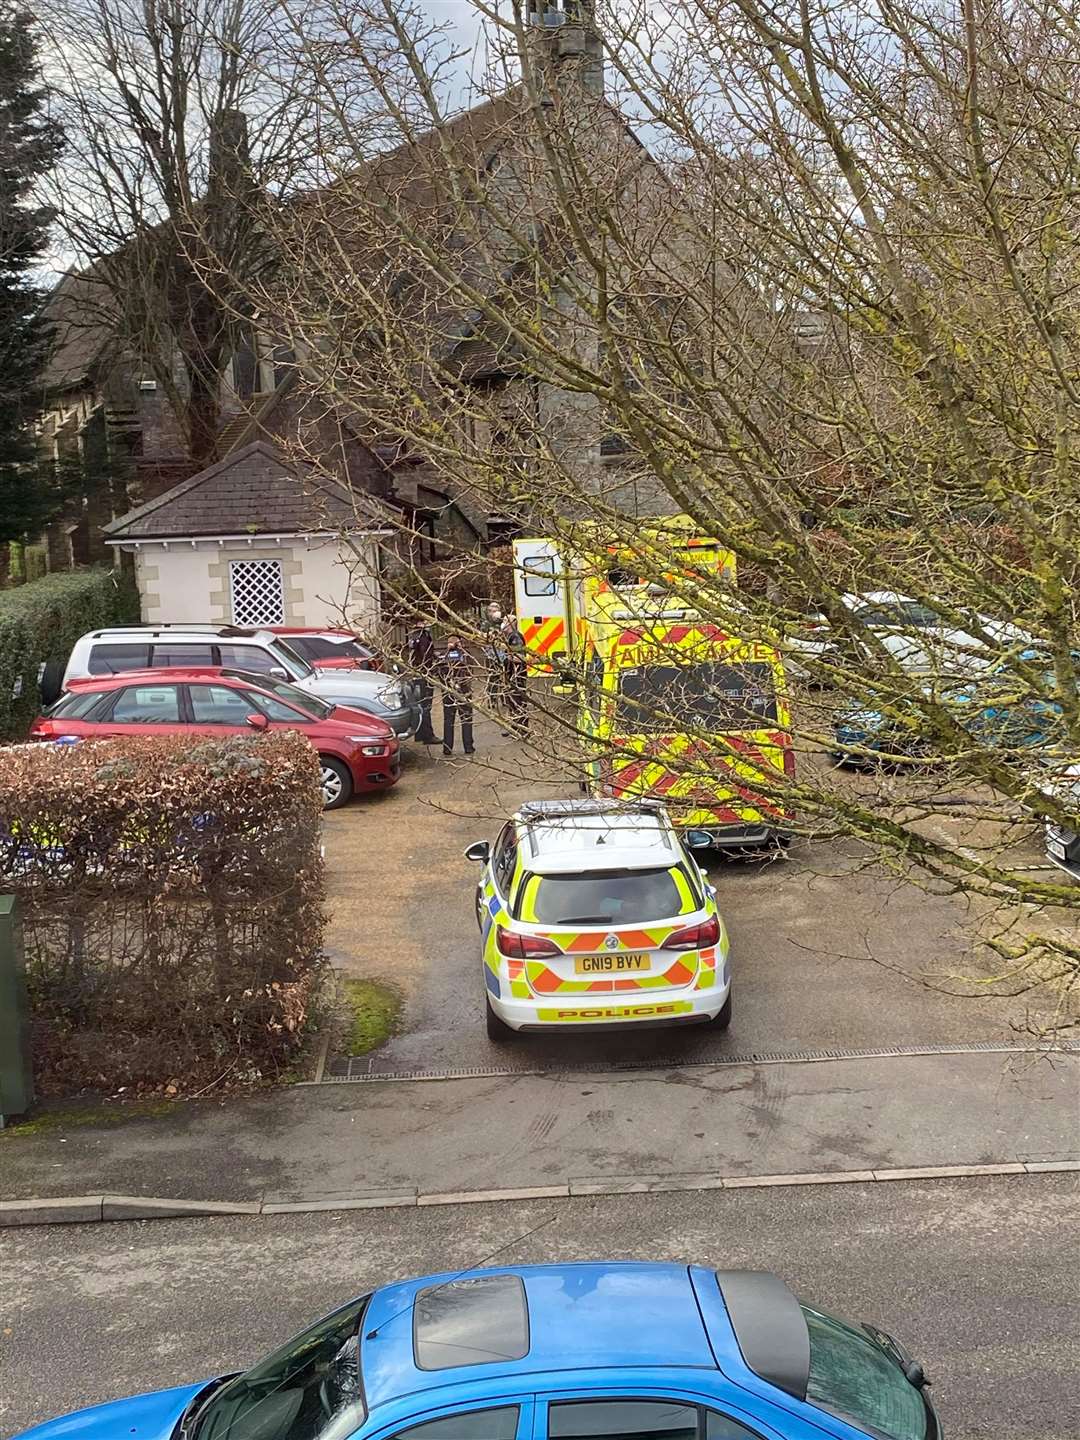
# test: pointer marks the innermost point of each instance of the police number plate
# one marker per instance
(1057, 848)
(609, 964)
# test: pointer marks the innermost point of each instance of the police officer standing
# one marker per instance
(516, 672)
(455, 675)
(422, 664)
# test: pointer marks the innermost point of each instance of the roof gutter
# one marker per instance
(192, 541)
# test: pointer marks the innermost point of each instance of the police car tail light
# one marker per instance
(694, 937)
(523, 947)
(789, 762)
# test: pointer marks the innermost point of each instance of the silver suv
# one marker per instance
(259, 652)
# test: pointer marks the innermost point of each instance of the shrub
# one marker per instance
(171, 896)
(40, 622)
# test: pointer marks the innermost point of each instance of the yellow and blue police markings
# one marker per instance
(533, 979)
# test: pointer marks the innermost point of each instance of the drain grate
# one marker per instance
(365, 1068)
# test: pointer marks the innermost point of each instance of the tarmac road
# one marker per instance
(980, 1277)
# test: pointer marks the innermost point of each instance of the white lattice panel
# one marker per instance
(257, 593)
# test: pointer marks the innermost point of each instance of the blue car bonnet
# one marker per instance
(141, 1417)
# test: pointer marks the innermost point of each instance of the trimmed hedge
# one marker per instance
(172, 905)
(40, 622)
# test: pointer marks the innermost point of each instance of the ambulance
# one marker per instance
(673, 703)
(556, 579)
(678, 708)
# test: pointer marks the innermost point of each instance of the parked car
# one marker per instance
(995, 708)
(141, 647)
(331, 649)
(357, 751)
(634, 1350)
(1063, 841)
(913, 633)
(594, 912)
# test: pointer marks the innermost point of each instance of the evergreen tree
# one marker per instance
(30, 144)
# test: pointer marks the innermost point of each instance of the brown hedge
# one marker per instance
(172, 896)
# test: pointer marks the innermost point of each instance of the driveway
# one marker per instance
(829, 951)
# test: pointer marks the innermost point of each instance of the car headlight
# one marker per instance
(367, 747)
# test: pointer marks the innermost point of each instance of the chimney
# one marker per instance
(566, 38)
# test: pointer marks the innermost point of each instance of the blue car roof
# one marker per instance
(580, 1317)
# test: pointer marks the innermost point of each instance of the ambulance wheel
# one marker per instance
(723, 1019)
(497, 1029)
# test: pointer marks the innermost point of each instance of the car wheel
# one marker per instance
(52, 681)
(336, 782)
(722, 1020)
(497, 1029)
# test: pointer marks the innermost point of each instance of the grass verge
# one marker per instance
(373, 1011)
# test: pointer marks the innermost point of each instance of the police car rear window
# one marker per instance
(605, 897)
(471, 1322)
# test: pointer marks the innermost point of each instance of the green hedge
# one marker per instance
(40, 622)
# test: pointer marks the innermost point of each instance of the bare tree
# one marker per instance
(181, 120)
(822, 300)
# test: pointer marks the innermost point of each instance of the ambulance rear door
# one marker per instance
(540, 602)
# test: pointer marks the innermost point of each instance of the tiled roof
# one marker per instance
(254, 491)
(80, 310)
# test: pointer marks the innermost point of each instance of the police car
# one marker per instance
(595, 913)
(637, 1351)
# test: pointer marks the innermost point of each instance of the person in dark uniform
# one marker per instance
(516, 672)
(455, 676)
(422, 660)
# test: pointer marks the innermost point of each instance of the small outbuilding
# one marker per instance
(257, 539)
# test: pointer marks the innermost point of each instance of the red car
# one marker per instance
(357, 751)
(329, 649)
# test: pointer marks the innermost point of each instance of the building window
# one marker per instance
(258, 594)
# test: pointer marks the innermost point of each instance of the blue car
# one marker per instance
(997, 709)
(601, 1351)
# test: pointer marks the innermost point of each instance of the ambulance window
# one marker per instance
(539, 575)
(711, 695)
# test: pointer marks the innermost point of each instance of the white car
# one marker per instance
(594, 913)
(256, 652)
(1063, 842)
(913, 633)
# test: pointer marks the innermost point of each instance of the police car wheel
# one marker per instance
(723, 1019)
(497, 1029)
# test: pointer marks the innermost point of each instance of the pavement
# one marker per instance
(398, 1138)
(978, 1276)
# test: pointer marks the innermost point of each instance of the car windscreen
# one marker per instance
(310, 1389)
(711, 696)
(289, 694)
(603, 897)
(854, 1378)
(296, 660)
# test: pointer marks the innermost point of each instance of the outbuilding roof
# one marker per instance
(254, 491)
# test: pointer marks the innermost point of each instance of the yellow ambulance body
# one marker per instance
(676, 708)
